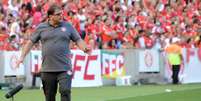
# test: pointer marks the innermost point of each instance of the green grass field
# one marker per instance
(188, 92)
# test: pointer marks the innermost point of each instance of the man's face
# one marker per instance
(56, 17)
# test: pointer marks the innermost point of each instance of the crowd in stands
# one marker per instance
(107, 24)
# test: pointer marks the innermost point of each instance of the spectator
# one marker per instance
(14, 7)
(112, 19)
(82, 18)
(37, 16)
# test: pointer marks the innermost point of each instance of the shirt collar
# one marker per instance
(60, 24)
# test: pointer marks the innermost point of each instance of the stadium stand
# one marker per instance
(107, 24)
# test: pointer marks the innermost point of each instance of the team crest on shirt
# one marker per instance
(63, 29)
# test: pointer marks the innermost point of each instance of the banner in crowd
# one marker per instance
(192, 66)
(112, 64)
(149, 61)
(9, 65)
(86, 69)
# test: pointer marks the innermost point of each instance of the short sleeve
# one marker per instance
(74, 34)
(35, 37)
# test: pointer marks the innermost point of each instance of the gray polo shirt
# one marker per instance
(55, 45)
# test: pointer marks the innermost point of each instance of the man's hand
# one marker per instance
(88, 50)
(18, 62)
(84, 47)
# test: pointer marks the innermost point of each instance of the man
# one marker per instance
(175, 59)
(55, 36)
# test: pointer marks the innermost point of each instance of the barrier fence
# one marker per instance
(91, 70)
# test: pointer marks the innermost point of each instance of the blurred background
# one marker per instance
(131, 41)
